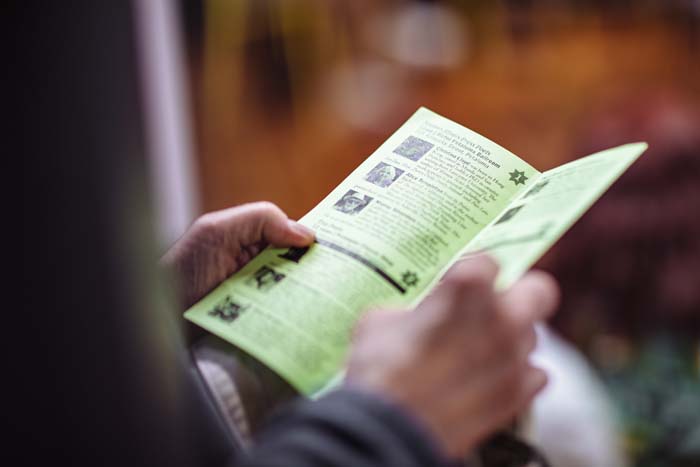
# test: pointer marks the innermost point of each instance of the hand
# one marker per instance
(459, 363)
(222, 242)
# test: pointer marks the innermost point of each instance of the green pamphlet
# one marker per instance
(430, 194)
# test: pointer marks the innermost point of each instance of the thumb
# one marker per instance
(464, 294)
(263, 222)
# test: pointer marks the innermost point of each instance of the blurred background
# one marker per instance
(288, 96)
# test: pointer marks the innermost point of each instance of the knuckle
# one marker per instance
(547, 284)
(267, 207)
(486, 262)
(461, 280)
(453, 278)
(206, 223)
(544, 290)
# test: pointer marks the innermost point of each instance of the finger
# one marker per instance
(375, 319)
(262, 222)
(480, 267)
(532, 298)
(505, 401)
(466, 291)
(533, 382)
(504, 411)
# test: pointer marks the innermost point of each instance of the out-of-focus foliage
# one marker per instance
(657, 391)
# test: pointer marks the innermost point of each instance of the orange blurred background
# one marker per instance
(290, 96)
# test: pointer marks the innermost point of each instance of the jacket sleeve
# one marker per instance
(346, 428)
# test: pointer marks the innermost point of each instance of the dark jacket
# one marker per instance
(345, 428)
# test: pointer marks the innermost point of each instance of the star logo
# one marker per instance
(228, 310)
(409, 278)
(517, 177)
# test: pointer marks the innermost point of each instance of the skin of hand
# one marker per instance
(220, 243)
(460, 362)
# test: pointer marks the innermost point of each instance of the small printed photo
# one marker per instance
(294, 253)
(413, 148)
(265, 278)
(352, 202)
(227, 310)
(509, 214)
(383, 175)
(536, 189)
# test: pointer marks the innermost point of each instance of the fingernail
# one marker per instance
(301, 230)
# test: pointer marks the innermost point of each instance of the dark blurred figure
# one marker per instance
(630, 275)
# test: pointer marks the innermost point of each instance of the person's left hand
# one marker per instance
(222, 242)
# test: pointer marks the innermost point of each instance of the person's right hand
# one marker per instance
(459, 363)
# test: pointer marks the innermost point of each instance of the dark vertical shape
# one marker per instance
(98, 364)
(267, 66)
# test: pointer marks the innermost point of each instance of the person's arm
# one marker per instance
(428, 384)
(346, 428)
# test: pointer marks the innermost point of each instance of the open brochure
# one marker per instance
(430, 194)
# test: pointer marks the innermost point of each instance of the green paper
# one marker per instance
(432, 193)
